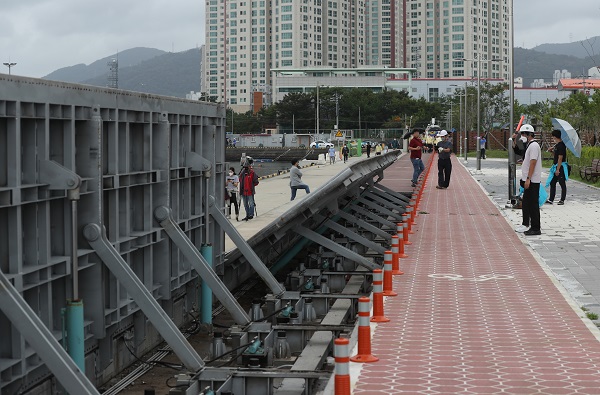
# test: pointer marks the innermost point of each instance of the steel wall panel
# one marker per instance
(131, 152)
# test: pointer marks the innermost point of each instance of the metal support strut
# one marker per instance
(365, 225)
(351, 235)
(159, 318)
(333, 246)
(245, 249)
(163, 215)
(40, 338)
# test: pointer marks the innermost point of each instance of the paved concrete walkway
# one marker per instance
(570, 240)
(273, 195)
(478, 311)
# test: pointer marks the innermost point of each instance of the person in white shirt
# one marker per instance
(231, 186)
(531, 178)
(331, 155)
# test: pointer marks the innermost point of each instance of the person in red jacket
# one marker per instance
(415, 146)
(248, 183)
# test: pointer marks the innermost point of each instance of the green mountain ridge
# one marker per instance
(154, 71)
(580, 49)
(169, 74)
(531, 65)
(81, 72)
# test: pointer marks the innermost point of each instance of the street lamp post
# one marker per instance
(460, 120)
(477, 149)
(10, 65)
(466, 125)
(512, 164)
(317, 111)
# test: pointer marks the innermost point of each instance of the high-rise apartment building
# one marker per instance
(247, 39)
(438, 32)
(385, 33)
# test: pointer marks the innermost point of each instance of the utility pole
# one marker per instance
(337, 111)
(359, 129)
(317, 110)
(512, 164)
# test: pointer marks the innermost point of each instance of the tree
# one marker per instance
(493, 104)
(296, 110)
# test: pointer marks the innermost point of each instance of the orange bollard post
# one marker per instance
(341, 354)
(405, 229)
(378, 297)
(410, 210)
(419, 195)
(387, 275)
(402, 253)
(396, 256)
(413, 204)
(364, 332)
(400, 233)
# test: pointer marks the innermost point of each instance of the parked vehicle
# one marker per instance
(364, 144)
(321, 144)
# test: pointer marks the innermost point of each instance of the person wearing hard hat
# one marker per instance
(531, 177)
(444, 147)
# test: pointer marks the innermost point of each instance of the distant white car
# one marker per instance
(321, 144)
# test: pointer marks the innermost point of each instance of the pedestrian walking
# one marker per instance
(231, 188)
(248, 182)
(415, 146)
(531, 177)
(444, 148)
(559, 172)
(331, 155)
(482, 142)
(234, 142)
(345, 152)
(368, 147)
(378, 149)
(296, 179)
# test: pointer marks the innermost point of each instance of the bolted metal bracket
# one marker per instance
(198, 163)
(59, 177)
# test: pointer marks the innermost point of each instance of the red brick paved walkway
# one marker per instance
(475, 312)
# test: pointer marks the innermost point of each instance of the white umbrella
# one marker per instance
(568, 135)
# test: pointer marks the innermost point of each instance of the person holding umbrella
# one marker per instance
(558, 171)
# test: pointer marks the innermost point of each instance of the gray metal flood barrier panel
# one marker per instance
(125, 153)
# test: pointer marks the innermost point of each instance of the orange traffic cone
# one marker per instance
(378, 297)
(387, 275)
(405, 221)
(396, 256)
(364, 332)
(342, 366)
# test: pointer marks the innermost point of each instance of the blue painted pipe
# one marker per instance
(75, 333)
(206, 293)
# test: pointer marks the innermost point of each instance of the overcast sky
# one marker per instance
(44, 35)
